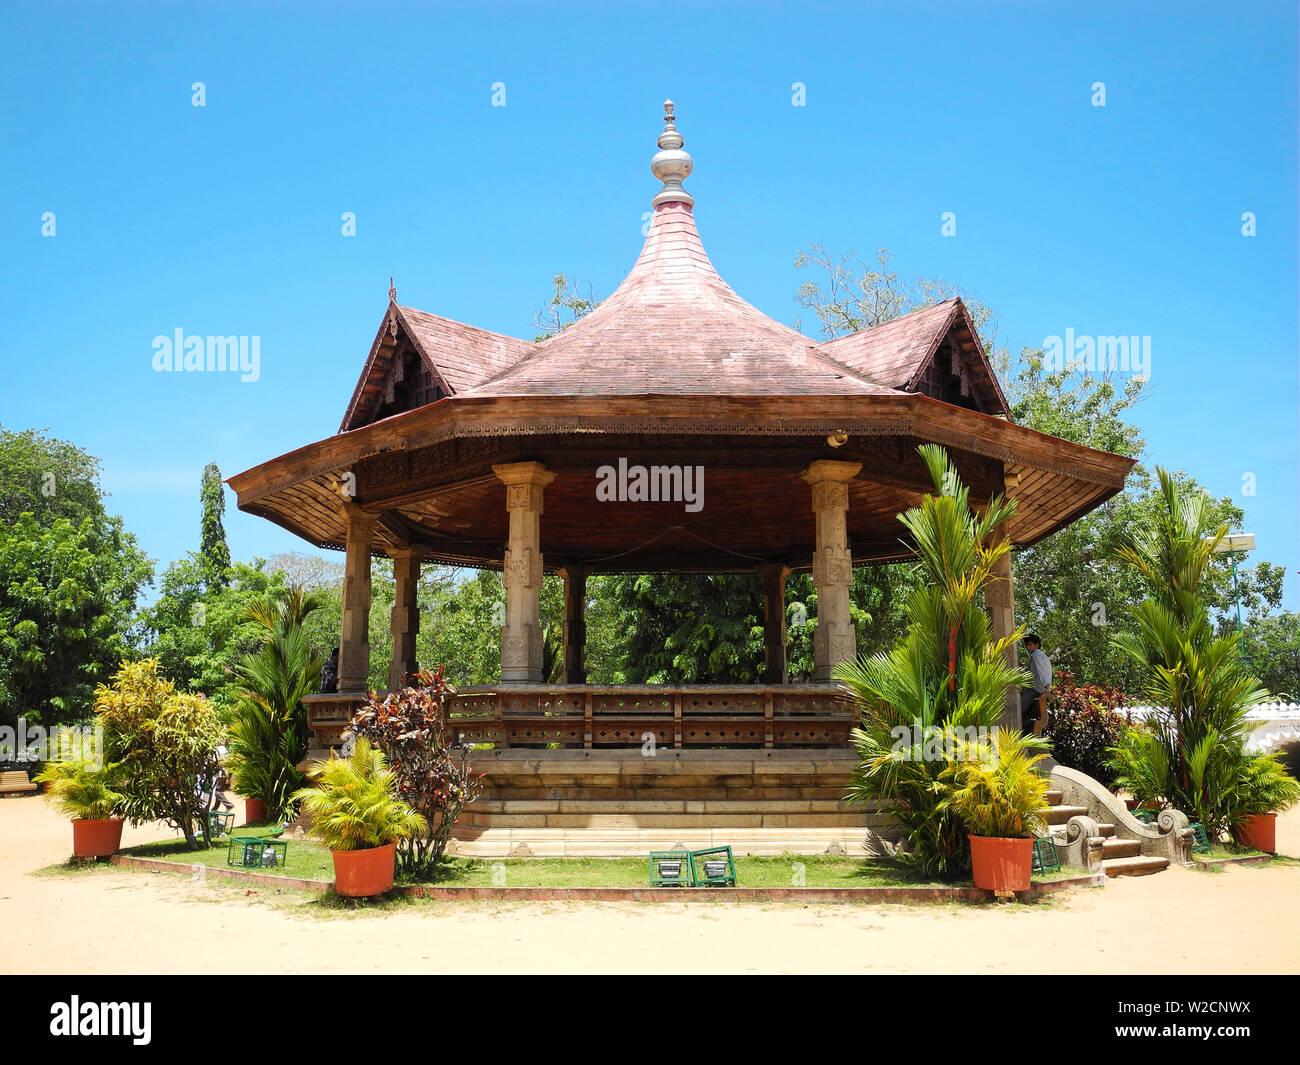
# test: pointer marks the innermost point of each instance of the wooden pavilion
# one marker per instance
(676, 428)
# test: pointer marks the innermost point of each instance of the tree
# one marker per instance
(267, 725)
(1273, 649)
(1193, 755)
(69, 579)
(570, 300)
(197, 631)
(163, 746)
(213, 549)
(942, 687)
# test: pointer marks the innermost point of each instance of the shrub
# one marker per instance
(995, 789)
(355, 805)
(79, 790)
(1263, 786)
(164, 746)
(1084, 724)
(409, 726)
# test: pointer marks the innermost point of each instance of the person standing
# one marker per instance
(1040, 667)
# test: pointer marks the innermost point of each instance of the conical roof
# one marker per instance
(675, 327)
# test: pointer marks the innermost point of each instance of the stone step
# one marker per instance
(1105, 828)
(1136, 866)
(612, 843)
(1120, 848)
(1052, 797)
(1059, 815)
(566, 805)
(647, 819)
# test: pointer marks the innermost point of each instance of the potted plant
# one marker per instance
(354, 810)
(997, 794)
(80, 791)
(1263, 787)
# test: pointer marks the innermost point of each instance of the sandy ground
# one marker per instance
(1243, 920)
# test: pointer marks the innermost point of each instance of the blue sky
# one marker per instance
(225, 219)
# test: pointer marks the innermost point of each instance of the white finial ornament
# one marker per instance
(671, 165)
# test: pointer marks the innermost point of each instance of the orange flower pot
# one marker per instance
(1259, 832)
(254, 810)
(1001, 864)
(358, 874)
(96, 839)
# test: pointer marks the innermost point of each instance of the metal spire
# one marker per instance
(671, 165)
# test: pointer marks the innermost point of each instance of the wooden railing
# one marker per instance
(595, 716)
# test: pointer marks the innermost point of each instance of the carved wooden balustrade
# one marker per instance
(594, 716)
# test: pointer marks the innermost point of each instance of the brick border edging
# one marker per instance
(611, 894)
(155, 865)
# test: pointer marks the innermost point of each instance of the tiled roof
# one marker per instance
(893, 352)
(462, 354)
(674, 327)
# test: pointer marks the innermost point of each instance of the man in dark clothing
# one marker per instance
(329, 674)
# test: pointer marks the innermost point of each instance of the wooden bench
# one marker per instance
(15, 782)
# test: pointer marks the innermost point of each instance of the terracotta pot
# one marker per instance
(254, 810)
(368, 872)
(1001, 864)
(1259, 832)
(96, 839)
(1130, 804)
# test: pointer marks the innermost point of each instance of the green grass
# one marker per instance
(304, 858)
(309, 860)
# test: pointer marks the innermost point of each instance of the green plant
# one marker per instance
(79, 790)
(355, 805)
(946, 680)
(1084, 725)
(1195, 760)
(995, 789)
(163, 744)
(432, 776)
(266, 729)
(1263, 786)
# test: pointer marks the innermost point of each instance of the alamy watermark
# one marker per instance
(946, 743)
(179, 353)
(1098, 354)
(651, 484)
(62, 743)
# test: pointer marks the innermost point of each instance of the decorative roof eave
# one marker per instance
(960, 315)
(397, 318)
(705, 415)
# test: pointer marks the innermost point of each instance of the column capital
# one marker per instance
(533, 473)
(831, 470)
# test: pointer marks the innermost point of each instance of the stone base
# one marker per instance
(576, 803)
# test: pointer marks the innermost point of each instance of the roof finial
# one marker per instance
(392, 290)
(671, 165)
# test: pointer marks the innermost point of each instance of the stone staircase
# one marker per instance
(1120, 852)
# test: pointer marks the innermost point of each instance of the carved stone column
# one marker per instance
(774, 637)
(521, 639)
(354, 644)
(575, 624)
(1000, 605)
(405, 622)
(834, 640)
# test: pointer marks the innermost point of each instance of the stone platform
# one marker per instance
(612, 803)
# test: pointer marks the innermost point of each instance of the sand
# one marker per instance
(1242, 920)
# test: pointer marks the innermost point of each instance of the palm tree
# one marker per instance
(1197, 676)
(923, 701)
(267, 727)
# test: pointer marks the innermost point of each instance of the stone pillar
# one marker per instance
(774, 664)
(405, 623)
(834, 640)
(354, 644)
(521, 639)
(575, 624)
(1000, 605)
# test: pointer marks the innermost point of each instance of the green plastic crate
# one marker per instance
(1046, 859)
(713, 867)
(670, 869)
(1202, 844)
(254, 852)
